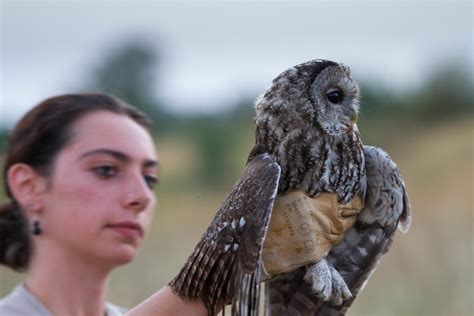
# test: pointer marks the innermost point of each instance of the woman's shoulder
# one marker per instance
(21, 302)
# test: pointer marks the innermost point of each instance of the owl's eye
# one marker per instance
(335, 96)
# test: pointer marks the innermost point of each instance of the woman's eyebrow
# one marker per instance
(150, 163)
(117, 155)
(114, 153)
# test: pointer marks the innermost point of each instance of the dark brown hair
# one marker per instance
(36, 141)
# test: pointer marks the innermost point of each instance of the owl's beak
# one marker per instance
(355, 117)
(352, 113)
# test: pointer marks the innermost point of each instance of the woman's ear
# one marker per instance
(27, 186)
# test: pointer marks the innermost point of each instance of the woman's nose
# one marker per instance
(138, 195)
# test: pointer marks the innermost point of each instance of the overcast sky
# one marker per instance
(217, 51)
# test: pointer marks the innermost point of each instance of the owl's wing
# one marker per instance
(230, 249)
(358, 254)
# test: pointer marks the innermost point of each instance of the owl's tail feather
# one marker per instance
(247, 289)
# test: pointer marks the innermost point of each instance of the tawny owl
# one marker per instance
(306, 140)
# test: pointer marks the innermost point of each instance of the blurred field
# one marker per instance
(429, 271)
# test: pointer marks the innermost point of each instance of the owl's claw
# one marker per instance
(327, 283)
(319, 275)
(340, 291)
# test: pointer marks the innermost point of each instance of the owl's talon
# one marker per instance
(320, 277)
(327, 283)
(340, 291)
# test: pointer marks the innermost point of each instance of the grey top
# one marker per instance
(21, 302)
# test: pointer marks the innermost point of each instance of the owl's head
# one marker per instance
(317, 94)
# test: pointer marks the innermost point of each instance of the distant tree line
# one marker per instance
(129, 71)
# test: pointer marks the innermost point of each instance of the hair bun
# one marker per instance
(14, 237)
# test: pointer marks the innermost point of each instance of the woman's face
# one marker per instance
(100, 198)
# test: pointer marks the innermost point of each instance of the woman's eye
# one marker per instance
(106, 171)
(335, 96)
(151, 181)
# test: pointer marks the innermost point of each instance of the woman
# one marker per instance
(79, 171)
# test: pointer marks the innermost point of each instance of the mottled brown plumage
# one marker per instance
(306, 139)
(315, 141)
(358, 254)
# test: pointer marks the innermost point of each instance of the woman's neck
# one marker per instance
(68, 285)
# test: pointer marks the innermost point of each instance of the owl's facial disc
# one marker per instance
(335, 96)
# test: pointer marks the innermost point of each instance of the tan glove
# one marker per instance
(303, 230)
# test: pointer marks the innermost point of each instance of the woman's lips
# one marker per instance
(129, 229)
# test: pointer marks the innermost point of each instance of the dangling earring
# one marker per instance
(36, 228)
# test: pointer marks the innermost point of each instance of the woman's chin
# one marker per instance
(123, 255)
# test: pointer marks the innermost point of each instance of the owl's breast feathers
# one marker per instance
(316, 161)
